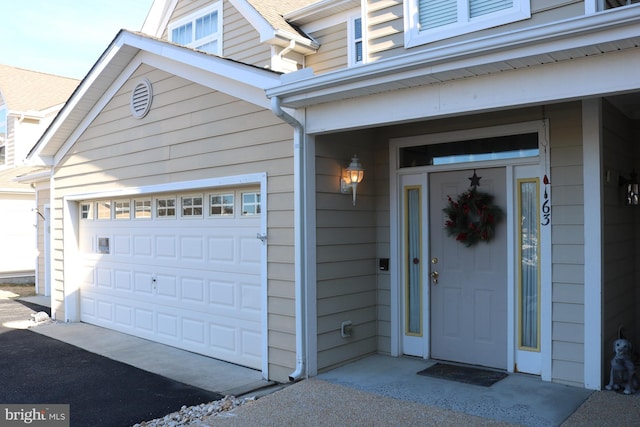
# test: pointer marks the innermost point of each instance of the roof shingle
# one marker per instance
(25, 90)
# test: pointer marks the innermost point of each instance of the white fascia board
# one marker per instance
(29, 114)
(158, 17)
(44, 175)
(257, 21)
(554, 82)
(616, 24)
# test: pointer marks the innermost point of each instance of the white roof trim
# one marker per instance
(262, 26)
(158, 17)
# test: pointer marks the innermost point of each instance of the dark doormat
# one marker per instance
(463, 374)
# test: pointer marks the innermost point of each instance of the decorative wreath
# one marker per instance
(472, 217)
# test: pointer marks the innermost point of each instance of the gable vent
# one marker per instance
(141, 99)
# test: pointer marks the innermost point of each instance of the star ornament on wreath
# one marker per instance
(472, 217)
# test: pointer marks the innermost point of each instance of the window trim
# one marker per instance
(192, 207)
(136, 213)
(352, 40)
(156, 208)
(119, 208)
(89, 211)
(104, 203)
(216, 7)
(210, 205)
(257, 204)
(414, 37)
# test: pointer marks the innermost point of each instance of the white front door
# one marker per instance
(468, 285)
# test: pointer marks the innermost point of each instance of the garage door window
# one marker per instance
(166, 207)
(85, 211)
(221, 204)
(142, 209)
(123, 209)
(250, 203)
(191, 206)
(104, 210)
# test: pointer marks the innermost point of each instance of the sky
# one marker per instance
(64, 37)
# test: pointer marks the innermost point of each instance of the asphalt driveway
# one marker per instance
(36, 369)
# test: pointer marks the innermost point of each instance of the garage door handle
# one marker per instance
(261, 237)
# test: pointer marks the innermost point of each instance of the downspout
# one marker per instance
(299, 235)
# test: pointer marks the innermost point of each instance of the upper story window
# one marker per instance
(430, 20)
(3, 133)
(356, 42)
(201, 30)
(610, 4)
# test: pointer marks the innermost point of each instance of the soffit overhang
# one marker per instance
(589, 35)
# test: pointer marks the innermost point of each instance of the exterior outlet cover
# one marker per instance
(346, 329)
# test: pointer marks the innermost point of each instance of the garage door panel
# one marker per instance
(168, 325)
(165, 247)
(143, 282)
(122, 244)
(103, 277)
(142, 246)
(193, 290)
(122, 279)
(187, 282)
(192, 248)
(123, 315)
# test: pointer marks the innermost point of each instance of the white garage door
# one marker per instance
(183, 270)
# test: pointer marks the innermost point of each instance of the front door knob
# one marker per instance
(434, 276)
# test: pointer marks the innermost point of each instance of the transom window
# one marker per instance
(472, 150)
(201, 30)
(431, 20)
(229, 203)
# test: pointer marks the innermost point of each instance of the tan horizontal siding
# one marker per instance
(332, 54)
(241, 41)
(346, 252)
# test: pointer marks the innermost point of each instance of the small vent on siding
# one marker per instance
(141, 98)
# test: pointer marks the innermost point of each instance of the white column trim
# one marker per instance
(592, 180)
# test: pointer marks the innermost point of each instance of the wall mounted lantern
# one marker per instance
(631, 189)
(351, 177)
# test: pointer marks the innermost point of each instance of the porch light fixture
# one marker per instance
(351, 177)
(631, 189)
